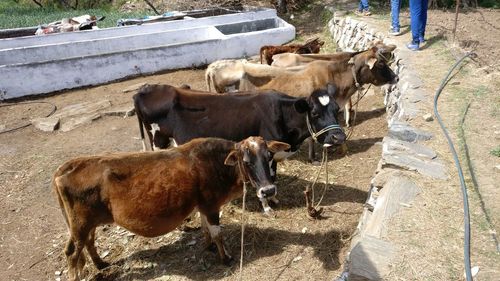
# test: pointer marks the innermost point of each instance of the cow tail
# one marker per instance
(58, 192)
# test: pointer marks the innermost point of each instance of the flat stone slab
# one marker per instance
(370, 259)
(396, 191)
(73, 116)
(120, 111)
(395, 146)
(133, 88)
(48, 124)
(430, 168)
(76, 122)
(82, 108)
(405, 132)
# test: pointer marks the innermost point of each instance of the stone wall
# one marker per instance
(404, 159)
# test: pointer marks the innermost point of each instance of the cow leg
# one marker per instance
(347, 113)
(213, 226)
(91, 250)
(209, 244)
(75, 257)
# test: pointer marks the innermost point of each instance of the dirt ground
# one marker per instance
(32, 231)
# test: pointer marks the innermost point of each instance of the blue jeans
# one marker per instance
(363, 5)
(418, 15)
(395, 8)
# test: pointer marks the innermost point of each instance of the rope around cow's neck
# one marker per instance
(351, 129)
(324, 163)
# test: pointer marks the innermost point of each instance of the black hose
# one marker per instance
(468, 274)
(474, 181)
(54, 108)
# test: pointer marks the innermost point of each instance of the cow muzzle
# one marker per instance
(335, 137)
(267, 191)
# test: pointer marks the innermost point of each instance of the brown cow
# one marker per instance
(150, 193)
(310, 47)
(370, 66)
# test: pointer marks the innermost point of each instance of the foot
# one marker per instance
(227, 260)
(367, 13)
(394, 31)
(101, 264)
(422, 40)
(414, 46)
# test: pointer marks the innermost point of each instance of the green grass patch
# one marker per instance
(13, 15)
(495, 151)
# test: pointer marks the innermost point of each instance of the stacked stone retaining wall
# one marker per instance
(405, 156)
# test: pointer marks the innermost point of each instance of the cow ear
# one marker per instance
(332, 90)
(301, 106)
(232, 158)
(371, 62)
(277, 146)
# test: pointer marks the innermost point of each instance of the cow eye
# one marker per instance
(314, 114)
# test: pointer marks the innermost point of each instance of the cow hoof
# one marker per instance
(211, 247)
(102, 265)
(270, 213)
(315, 162)
(228, 261)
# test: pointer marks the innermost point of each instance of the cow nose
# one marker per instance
(268, 191)
(338, 137)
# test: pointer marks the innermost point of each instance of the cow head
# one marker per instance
(252, 156)
(322, 111)
(372, 66)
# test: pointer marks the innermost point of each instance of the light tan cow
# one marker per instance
(348, 75)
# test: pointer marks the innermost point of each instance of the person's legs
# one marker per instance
(363, 5)
(415, 17)
(423, 20)
(395, 8)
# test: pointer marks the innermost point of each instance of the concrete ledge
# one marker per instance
(43, 64)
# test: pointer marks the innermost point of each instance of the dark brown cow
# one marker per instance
(169, 112)
(150, 193)
(310, 47)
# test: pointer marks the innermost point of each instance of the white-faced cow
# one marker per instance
(150, 193)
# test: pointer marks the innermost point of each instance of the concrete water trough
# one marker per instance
(35, 65)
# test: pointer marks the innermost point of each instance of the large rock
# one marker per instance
(82, 108)
(78, 121)
(396, 191)
(430, 168)
(48, 124)
(405, 132)
(370, 259)
(395, 146)
(72, 116)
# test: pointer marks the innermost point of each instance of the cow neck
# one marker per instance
(355, 77)
(243, 173)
